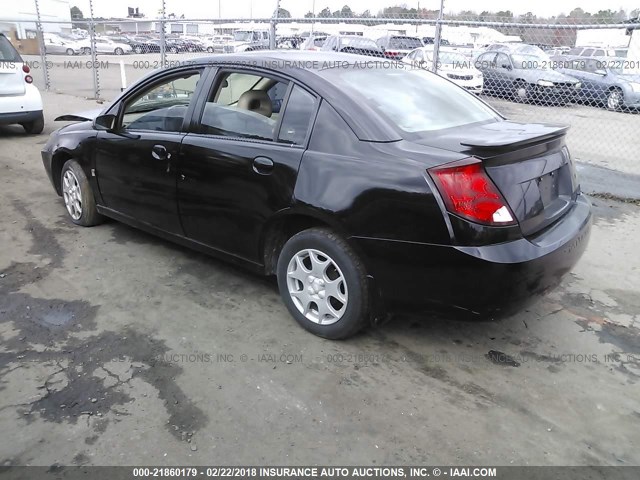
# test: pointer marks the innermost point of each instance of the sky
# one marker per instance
(265, 8)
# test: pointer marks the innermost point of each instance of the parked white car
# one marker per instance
(20, 100)
(216, 43)
(453, 65)
(57, 45)
(104, 45)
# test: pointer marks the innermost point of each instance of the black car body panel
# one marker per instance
(355, 173)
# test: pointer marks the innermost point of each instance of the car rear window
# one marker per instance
(405, 43)
(7, 51)
(412, 99)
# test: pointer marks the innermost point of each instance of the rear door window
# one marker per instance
(297, 117)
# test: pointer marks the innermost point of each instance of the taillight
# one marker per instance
(392, 55)
(468, 191)
(28, 79)
(25, 68)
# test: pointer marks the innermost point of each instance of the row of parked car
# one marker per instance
(66, 44)
(519, 72)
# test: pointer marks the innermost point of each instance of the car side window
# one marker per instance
(163, 106)
(297, 117)
(244, 105)
(588, 52)
(503, 61)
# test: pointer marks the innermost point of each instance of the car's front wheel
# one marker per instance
(118, 51)
(78, 195)
(323, 284)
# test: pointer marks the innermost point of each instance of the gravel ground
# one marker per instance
(118, 348)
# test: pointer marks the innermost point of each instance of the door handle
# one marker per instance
(262, 165)
(159, 152)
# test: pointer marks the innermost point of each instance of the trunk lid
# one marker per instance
(529, 163)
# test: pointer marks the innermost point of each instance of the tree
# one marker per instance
(309, 15)
(76, 13)
(282, 13)
(346, 12)
(325, 13)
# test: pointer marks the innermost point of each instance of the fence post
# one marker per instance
(43, 51)
(163, 45)
(94, 59)
(438, 36)
(274, 22)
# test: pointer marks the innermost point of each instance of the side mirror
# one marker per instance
(105, 122)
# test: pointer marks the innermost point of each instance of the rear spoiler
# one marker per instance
(79, 117)
(512, 134)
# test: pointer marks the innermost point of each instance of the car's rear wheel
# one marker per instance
(173, 50)
(323, 284)
(118, 51)
(615, 99)
(78, 195)
(210, 49)
(138, 50)
(35, 127)
(70, 51)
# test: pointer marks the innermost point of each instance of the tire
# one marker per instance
(86, 51)
(615, 100)
(36, 127)
(138, 50)
(330, 312)
(521, 92)
(78, 195)
(70, 52)
(118, 51)
(210, 49)
(173, 50)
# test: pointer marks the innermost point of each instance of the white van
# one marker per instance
(20, 100)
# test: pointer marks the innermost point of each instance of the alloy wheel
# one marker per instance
(72, 194)
(614, 100)
(317, 286)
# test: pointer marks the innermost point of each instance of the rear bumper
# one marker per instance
(489, 281)
(19, 117)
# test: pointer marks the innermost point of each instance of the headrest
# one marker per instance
(256, 101)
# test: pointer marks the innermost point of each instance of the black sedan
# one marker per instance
(361, 189)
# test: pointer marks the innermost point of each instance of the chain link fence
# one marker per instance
(579, 71)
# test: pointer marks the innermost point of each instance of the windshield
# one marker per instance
(405, 43)
(243, 36)
(359, 42)
(412, 99)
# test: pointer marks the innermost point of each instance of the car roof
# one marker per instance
(303, 59)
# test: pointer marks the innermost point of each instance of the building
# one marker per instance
(18, 21)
